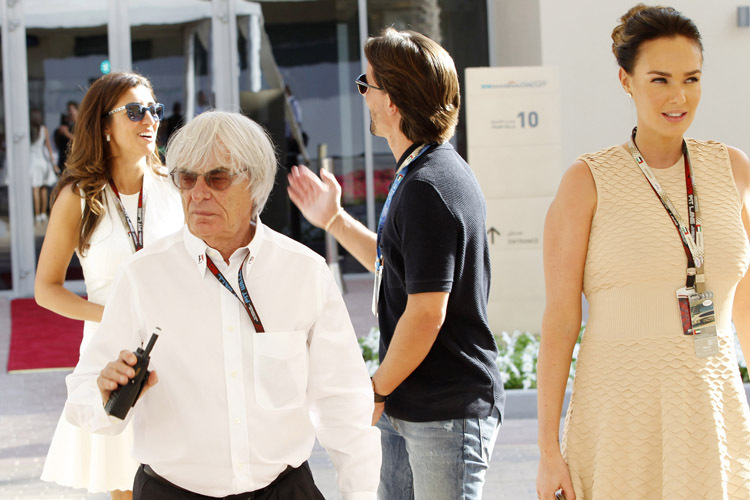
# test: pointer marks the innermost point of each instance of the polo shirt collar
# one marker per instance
(196, 247)
(406, 154)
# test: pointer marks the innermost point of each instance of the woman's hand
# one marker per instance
(553, 475)
(566, 236)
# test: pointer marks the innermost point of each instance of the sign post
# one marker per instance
(515, 149)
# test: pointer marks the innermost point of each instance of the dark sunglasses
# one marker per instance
(362, 84)
(136, 112)
(218, 179)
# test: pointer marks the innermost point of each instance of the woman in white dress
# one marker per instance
(113, 198)
(40, 165)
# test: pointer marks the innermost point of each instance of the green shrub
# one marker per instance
(517, 356)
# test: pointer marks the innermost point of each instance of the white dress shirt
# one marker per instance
(234, 407)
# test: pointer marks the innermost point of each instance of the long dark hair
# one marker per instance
(87, 169)
(35, 124)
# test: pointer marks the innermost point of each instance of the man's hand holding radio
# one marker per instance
(119, 372)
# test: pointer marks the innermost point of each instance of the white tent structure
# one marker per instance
(216, 23)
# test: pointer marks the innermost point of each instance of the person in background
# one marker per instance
(202, 104)
(173, 123)
(655, 233)
(438, 391)
(113, 199)
(41, 165)
(256, 355)
(64, 133)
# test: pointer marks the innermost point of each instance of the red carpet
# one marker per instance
(41, 339)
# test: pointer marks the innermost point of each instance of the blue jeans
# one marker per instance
(442, 460)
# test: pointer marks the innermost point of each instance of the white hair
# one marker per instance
(218, 139)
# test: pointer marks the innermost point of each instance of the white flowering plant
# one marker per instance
(517, 356)
(370, 346)
(740, 358)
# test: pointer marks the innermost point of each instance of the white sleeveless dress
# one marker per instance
(40, 167)
(92, 461)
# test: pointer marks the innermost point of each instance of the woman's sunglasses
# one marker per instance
(362, 84)
(136, 112)
(218, 179)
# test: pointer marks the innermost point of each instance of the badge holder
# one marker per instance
(376, 286)
(699, 320)
(703, 320)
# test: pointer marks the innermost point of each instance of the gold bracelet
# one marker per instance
(333, 219)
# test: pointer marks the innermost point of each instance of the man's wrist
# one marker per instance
(379, 398)
(332, 219)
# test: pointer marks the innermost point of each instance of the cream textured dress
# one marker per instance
(77, 458)
(648, 419)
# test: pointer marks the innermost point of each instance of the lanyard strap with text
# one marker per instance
(136, 237)
(245, 300)
(402, 171)
(691, 234)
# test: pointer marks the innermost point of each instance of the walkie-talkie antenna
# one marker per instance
(151, 342)
(124, 397)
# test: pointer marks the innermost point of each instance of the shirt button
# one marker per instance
(231, 328)
(237, 420)
(234, 373)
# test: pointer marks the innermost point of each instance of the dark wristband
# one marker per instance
(379, 398)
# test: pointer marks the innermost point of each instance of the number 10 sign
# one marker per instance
(513, 106)
(514, 148)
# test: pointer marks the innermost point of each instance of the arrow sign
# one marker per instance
(492, 232)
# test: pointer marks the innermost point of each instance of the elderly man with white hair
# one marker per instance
(256, 355)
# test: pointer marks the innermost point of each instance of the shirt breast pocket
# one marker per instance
(280, 368)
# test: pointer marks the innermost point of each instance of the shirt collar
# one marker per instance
(196, 247)
(406, 154)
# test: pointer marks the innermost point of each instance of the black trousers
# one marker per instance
(292, 484)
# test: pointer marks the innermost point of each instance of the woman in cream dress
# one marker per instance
(653, 414)
(113, 198)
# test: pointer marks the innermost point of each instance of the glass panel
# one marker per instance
(316, 45)
(203, 98)
(460, 26)
(159, 55)
(62, 63)
(6, 281)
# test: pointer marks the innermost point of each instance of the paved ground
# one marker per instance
(30, 405)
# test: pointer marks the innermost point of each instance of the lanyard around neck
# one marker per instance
(691, 233)
(403, 169)
(245, 300)
(136, 236)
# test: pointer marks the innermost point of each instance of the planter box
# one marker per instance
(521, 403)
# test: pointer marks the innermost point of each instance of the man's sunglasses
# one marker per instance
(218, 179)
(136, 112)
(362, 84)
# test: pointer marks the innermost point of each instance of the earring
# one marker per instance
(107, 137)
(629, 94)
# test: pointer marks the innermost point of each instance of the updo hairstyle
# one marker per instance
(642, 24)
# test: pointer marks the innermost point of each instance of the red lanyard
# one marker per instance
(691, 234)
(136, 237)
(245, 300)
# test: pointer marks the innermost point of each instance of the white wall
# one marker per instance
(595, 111)
(514, 32)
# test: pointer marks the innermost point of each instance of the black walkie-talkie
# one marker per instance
(124, 397)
